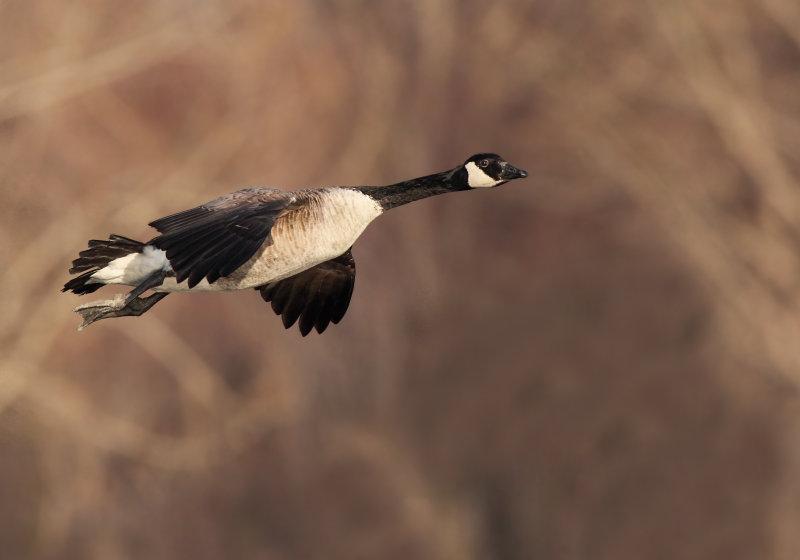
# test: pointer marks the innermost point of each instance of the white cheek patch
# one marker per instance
(477, 178)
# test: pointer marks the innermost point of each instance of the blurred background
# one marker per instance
(600, 361)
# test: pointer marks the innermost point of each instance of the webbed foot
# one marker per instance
(118, 307)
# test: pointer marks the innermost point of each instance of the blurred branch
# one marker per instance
(737, 114)
(786, 14)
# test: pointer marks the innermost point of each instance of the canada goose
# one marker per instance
(294, 247)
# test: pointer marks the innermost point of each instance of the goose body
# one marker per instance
(294, 247)
(318, 225)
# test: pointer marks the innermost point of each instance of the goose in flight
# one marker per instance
(294, 247)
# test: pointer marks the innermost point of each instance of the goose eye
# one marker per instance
(483, 163)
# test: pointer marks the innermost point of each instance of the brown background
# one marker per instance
(598, 362)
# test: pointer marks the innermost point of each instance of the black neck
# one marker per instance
(398, 194)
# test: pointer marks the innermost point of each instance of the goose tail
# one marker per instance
(99, 257)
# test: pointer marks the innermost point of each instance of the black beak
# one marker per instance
(510, 172)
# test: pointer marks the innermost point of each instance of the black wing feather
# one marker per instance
(340, 304)
(317, 296)
(184, 218)
(295, 300)
(214, 239)
(314, 302)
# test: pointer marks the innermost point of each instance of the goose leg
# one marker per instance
(130, 305)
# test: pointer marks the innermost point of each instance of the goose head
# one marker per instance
(486, 170)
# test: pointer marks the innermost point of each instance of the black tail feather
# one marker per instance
(99, 254)
(80, 286)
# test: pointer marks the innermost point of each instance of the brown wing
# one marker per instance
(215, 238)
(317, 296)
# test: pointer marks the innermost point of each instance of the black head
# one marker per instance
(486, 170)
